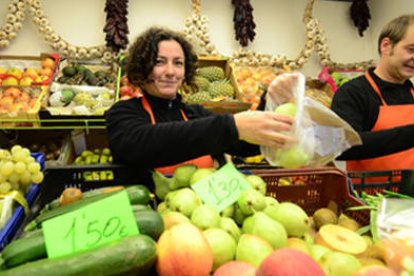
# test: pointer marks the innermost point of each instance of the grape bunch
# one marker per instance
(116, 27)
(243, 21)
(18, 169)
(360, 15)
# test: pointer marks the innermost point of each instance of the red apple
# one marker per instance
(235, 268)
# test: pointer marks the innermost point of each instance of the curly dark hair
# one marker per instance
(142, 54)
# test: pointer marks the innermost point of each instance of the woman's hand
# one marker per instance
(264, 128)
(281, 89)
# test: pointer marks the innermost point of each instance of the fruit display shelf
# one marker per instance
(373, 182)
(313, 189)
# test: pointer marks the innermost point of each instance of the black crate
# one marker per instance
(373, 182)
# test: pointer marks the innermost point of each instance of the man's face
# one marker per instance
(399, 57)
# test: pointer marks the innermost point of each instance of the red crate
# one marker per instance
(314, 189)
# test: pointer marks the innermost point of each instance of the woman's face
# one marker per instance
(168, 73)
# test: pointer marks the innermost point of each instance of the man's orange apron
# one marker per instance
(202, 162)
(389, 116)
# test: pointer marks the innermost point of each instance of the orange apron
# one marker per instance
(389, 116)
(202, 162)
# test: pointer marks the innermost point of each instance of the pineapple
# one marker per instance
(212, 73)
(202, 83)
(221, 88)
(198, 97)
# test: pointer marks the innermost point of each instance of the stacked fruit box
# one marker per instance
(222, 93)
(81, 88)
(24, 84)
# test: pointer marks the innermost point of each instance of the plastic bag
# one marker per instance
(6, 212)
(321, 134)
(395, 225)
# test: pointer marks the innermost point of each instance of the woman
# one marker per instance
(158, 130)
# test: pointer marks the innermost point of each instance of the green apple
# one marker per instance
(288, 109)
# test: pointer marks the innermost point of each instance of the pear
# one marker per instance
(257, 183)
(228, 211)
(200, 174)
(222, 244)
(292, 217)
(288, 109)
(251, 201)
(161, 183)
(230, 226)
(252, 249)
(271, 201)
(268, 229)
(205, 217)
(238, 216)
(182, 175)
(248, 224)
(185, 201)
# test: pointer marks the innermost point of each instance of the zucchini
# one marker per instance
(32, 247)
(24, 250)
(135, 255)
(149, 223)
(138, 194)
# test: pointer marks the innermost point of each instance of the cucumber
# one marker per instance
(149, 223)
(138, 194)
(135, 255)
(24, 250)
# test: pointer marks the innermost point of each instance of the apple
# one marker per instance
(375, 270)
(235, 268)
(13, 71)
(48, 63)
(30, 72)
(288, 109)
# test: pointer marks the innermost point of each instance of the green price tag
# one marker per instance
(222, 188)
(91, 226)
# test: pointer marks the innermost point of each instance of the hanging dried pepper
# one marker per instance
(360, 15)
(243, 21)
(116, 26)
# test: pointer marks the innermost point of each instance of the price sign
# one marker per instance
(222, 188)
(88, 227)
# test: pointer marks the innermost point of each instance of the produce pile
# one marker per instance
(257, 235)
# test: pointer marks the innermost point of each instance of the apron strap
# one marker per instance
(374, 86)
(148, 109)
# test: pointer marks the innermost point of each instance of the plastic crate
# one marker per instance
(13, 224)
(373, 182)
(313, 189)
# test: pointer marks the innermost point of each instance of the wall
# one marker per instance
(279, 25)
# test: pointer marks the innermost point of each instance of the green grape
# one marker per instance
(16, 148)
(14, 178)
(7, 168)
(19, 167)
(33, 167)
(26, 152)
(4, 154)
(29, 160)
(37, 177)
(5, 187)
(19, 156)
(26, 178)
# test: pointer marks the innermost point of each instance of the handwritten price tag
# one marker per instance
(96, 224)
(222, 188)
